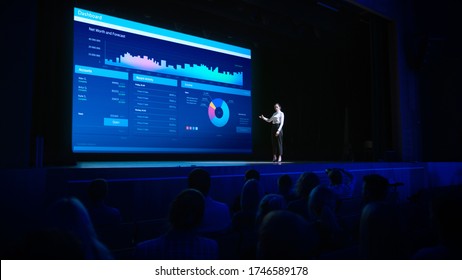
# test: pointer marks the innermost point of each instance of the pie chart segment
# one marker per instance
(218, 112)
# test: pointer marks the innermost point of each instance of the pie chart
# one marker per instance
(218, 112)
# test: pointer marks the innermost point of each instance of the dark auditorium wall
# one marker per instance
(428, 59)
(438, 58)
(18, 26)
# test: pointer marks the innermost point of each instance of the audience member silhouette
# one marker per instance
(322, 207)
(217, 218)
(251, 195)
(375, 188)
(380, 224)
(341, 182)
(106, 219)
(305, 183)
(68, 214)
(285, 185)
(445, 214)
(243, 234)
(268, 203)
(284, 235)
(249, 174)
(100, 212)
(182, 241)
(252, 174)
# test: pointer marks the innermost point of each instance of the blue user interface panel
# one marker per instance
(143, 89)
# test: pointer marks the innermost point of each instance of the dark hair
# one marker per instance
(306, 182)
(187, 209)
(69, 214)
(335, 176)
(284, 235)
(284, 183)
(375, 187)
(199, 179)
(252, 174)
(269, 202)
(97, 190)
(320, 197)
(251, 195)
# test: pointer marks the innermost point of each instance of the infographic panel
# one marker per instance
(142, 89)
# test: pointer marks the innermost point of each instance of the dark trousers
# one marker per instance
(276, 141)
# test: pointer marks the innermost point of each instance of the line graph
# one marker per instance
(198, 71)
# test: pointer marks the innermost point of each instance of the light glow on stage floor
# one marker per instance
(150, 164)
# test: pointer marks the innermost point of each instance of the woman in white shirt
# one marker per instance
(277, 121)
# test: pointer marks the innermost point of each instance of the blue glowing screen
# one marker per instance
(143, 89)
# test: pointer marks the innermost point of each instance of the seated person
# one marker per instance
(181, 242)
(341, 182)
(217, 217)
(106, 219)
(101, 213)
(284, 235)
(380, 223)
(305, 183)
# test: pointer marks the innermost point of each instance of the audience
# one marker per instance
(69, 216)
(217, 218)
(380, 225)
(101, 214)
(341, 182)
(249, 174)
(242, 237)
(305, 183)
(284, 235)
(265, 226)
(251, 195)
(285, 185)
(322, 204)
(375, 188)
(252, 174)
(268, 203)
(106, 219)
(182, 241)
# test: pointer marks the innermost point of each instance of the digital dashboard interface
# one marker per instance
(143, 89)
